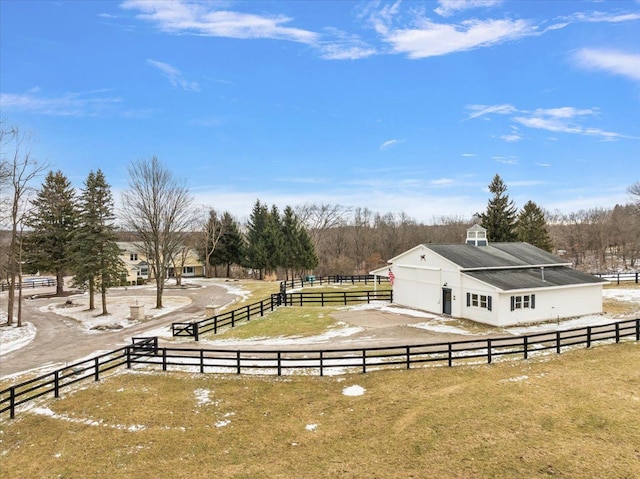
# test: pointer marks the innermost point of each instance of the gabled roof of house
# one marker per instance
(496, 255)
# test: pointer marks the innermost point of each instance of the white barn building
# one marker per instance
(501, 284)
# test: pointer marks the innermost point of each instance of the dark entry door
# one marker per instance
(446, 301)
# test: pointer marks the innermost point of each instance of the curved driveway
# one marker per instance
(61, 340)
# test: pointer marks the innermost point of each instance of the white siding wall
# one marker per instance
(552, 304)
(475, 313)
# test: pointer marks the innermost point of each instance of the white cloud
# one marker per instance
(468, 155)
(563, 120)
(612, 61)
(89, 103)
(430, 39)
(604, 17)
(388, 144)
(506, 161)
(480, 110)
(450, 7)
(511, 138)
(442, 182)
(174, 76)
(183, 16)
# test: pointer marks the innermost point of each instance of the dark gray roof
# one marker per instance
(531, 278)
(496, 255)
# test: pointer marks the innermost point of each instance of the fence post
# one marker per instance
(248, 312)
(262, 308)
(588, 336)
(279, 364)
(364, 361)
(344, 294)
(12, 402)
(526, 347)
(56, 384)
(238, 361)
(128, 357)
(450, 355)
(617, 332)
(368, 301)
(97, 367)
(321, 363)
(638, 329)
(164, 359)
(233, 318)
(196, 331)
(558, 342)
(489, 351)
(408, 357)
(202, 360)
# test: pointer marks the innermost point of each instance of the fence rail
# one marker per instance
(617, 277)
(145, 351)
(335, 297)
(36, 283)
(295, 283)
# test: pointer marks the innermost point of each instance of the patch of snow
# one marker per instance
(12, 337)
(514, 380)
(202, 396)
(353, 391)
(224, 423)
(631, 295)
(118, 308)
(581, 322)
(437, 326)
(311, 427)
(288, 340)
(45, 411)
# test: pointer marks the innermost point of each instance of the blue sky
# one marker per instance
(408, 106)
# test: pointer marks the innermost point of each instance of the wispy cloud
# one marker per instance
(389, 144)
(174, 76)
(344, 46)
(511, 137)
(603, 17)
(450, 7)
(612, 61)
(561, 120)
(205, 19)
(90, 103)
(511, 160)
(481, 110)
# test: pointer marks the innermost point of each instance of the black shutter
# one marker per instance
(533, 301)
(489, 303)
(468, 299)
(513, 303)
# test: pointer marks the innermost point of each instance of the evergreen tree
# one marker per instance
(52, 220)
(95, 251)
(231, 245)
(500, 217)
(274, 241)
(298, 248)
(531, 227)
(257, 254)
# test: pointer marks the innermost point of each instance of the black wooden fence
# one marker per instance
(244, 314)
(617, 277)
(36, 283)
(145, 351)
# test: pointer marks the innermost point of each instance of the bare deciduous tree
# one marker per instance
(17, 169)
(159, 209)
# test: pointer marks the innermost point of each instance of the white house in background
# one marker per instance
(138, 269)
(501, 284)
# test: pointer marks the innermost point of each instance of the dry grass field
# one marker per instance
(572, 415)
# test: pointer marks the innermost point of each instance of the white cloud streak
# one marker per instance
(612, 61)
(174, 76)
(388, 144)
(204, 19)
(90, 103)
(450, 7)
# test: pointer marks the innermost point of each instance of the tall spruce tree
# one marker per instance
(52, 220)
(274, 241)
(531, 227)
(257, 253)
(231, 245)
(500, 217)
(96, 255)
(299, 253)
